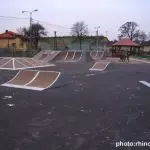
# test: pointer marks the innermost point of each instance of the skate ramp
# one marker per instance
(21, 63)
(34, 80)
(100, 66)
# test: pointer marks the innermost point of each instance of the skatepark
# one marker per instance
(57, 100)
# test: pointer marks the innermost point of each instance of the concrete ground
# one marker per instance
(91, 113)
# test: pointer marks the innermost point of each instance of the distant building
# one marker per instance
(12, 40)
(71, 42)
(145, 46)
(110, 44)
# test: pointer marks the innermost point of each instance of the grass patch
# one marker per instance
(143, 57)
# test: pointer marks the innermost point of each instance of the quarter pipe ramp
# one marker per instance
(33, 80)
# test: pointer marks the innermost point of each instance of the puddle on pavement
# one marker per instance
(11, 105)
(7, 97)
(87, 75)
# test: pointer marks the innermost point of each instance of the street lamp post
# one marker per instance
(30, 12)
(97, 35)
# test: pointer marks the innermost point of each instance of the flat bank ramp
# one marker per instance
(61, 56)
(70, 56)
(97, 55)
(100, 66)
(34, 80)
(78, 56)
(93, 54)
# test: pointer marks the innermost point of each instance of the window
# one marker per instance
(13, 45)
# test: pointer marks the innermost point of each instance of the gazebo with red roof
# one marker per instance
(124, 44)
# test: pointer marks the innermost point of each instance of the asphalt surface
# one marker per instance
(91, 113)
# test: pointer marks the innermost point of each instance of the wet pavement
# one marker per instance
(91, 113)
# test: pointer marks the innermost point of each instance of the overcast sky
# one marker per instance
(108, 14)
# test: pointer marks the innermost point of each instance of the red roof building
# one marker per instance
(8, 35)
(125, 43)
(10, 39)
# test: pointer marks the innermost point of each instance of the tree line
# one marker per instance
(80, 30)
(131, 31)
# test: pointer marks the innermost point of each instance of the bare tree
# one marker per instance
(20, 31)
(143, 36)
(79, 30)
(129, 29)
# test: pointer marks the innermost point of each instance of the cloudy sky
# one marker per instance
(108, 14)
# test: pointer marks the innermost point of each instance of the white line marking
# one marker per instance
(21, 63)
(32, 78)
(13, 64)
(39, 56)
(6, 63)
(80, 56)
(94, 65)
(48, 55)
(93, 56)
(91, 53)
(54, 56)
(27, 67)
(99, 69)
(54, 81)
(76, 60)
(96, 55)
(44, 71)
(74, 55)
(23, 87)
(13, 77)
(70, 60)
(36, 61)
(145, 83)
(66, 56)
(28, 62)
(101, 56)
(43, 57)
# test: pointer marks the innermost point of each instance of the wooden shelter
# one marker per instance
(124, 44)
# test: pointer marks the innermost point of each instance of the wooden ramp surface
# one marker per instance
(21, 63)
(61, 56)
(70, 56)
(78, 56)
(97, 55)
(33, 79)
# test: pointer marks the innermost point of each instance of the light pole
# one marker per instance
(106, 33)
(30, 12)
(97, 35)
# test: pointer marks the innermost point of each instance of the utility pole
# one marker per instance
(97, 36)
(30, 30)
(105, 47)
(55, 40)
(30, 24)
(106, 33)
